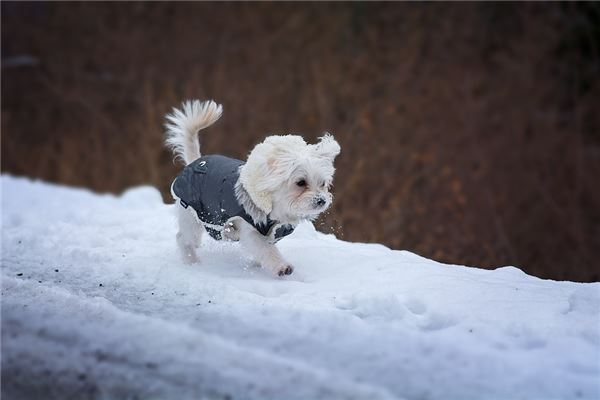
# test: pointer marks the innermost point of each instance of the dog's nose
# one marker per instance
(319, 202)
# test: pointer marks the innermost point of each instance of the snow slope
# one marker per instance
(96, 304)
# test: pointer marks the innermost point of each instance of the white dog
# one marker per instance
(256, 202)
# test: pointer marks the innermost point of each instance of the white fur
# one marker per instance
(272, 166)
(184, 125)
(189, 235)
(284, 179)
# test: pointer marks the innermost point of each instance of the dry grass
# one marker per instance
(469, 132)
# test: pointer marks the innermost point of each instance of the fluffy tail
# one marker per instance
(183, 126)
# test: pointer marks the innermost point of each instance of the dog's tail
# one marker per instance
(183, 126)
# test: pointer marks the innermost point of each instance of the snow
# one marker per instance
(97, 304)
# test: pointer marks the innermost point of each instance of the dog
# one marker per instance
(257, 202)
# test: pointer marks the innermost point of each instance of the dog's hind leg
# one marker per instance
(189, 235)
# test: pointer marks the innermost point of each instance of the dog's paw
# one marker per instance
(188, 254)
(231, 231)
(190, 258)
(285, 270)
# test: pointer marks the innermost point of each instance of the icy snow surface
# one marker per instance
(96, 304)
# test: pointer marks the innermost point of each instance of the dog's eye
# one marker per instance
(301, 183)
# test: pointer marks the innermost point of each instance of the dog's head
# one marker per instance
(289, 179)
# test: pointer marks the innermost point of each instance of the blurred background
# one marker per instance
(470, 133)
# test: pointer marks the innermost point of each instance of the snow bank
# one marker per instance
(96, 304)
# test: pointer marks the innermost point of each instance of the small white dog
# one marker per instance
(256, 202)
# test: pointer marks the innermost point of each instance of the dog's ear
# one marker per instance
(327, 147)
(253, 175)
(268, 167)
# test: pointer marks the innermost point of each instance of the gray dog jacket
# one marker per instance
(207, 185)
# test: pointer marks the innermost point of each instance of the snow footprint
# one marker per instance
(390, 308)
(427, 321)
(524, 337)
(436, 321)
(369, 307)
(416, 306)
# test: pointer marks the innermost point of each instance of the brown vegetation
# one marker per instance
(469, 132)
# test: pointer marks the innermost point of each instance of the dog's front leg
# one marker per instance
(262, 251)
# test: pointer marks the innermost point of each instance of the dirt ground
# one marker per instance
(470, 132)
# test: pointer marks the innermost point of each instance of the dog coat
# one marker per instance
(208, 186)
